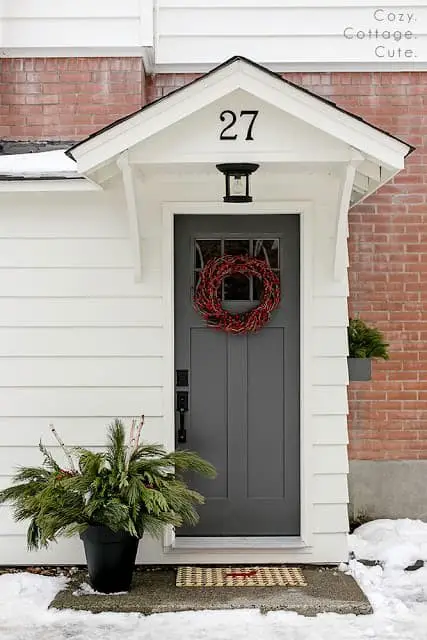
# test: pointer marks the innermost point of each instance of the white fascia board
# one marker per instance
(28, 185)
(155, 118)
(295, 66)
(240, 75)
(327, 118)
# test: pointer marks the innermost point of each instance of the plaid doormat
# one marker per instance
(240, 577)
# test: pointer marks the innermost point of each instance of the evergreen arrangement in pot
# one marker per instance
(364, 343)
(111, 498)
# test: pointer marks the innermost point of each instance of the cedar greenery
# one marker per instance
(128, 487)
(366, 342)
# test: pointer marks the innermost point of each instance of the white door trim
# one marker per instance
(305, 209)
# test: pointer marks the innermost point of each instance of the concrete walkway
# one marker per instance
(154, 591)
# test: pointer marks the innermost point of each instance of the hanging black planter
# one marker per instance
(110, 558)
(359, 369)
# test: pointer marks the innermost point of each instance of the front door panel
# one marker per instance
(243, 389)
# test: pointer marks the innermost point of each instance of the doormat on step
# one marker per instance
(240, 577)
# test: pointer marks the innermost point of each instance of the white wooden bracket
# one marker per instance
(127, 172)
(341, 231)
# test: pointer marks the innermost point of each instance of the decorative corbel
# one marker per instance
(132, 211)
(341, 231)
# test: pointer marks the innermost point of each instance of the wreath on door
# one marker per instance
(208, 299)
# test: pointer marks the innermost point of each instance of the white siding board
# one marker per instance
(330, 518)
(330, 488)
(65, 401)
(74, 32)
(329, 459)
(330, 341)
(329, 371)
(283, 20)
(63, 252)
(81, 341)
(13, 550)
(330, 429)
(9, 526)
(329, 400)
(81, 372)
(81, 312)
(77, 282)
(285, 4)
(16, 432)
(46, 9)
(82, 216)
(330, 312)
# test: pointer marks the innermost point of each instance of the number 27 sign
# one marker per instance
(230, 119)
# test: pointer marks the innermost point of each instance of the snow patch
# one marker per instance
(38, 163)
(86, 590)
(396, 543)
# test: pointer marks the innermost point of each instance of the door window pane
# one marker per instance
(267, 250)
(205, 250)
(236, 247)
(237, 288)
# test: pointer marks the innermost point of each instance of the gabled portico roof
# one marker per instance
(382, 154)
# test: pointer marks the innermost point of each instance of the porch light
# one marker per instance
(237, 180)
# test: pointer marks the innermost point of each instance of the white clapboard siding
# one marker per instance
(330, 459)
(81, 312)
(329, 371)
(329, 312)
(329, 400)
(77, 282)
(66, 401)
(78, 341)
(330, 488)
(330, 518)
(88, 215)
(64, 252)
(279, 32)
(329, 429)
(81, 372)
(9, 526)
(67, 551)
(81, 24)
(74, 431)
(330, 341)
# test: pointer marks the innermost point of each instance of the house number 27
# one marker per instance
(230, 118)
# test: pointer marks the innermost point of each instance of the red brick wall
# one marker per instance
(69, 99)
(66, 98)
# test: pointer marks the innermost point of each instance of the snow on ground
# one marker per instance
(398, 543)
(399, 599)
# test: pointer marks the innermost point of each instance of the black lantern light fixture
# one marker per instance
(237, 180)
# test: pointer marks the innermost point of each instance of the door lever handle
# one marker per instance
(182, 407)
(182, 431)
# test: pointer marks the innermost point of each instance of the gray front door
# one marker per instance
(244, 400)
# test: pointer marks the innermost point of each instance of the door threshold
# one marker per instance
(238, 542)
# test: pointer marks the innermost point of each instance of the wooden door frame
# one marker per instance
(303, 208)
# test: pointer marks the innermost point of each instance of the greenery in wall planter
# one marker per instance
(364, 343)
(109, 497)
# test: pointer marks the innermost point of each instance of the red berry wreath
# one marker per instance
(207, 299)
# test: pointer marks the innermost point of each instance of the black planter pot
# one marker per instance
(110, 558)
(359, 369)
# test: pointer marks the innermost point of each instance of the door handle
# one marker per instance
(182, 408)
